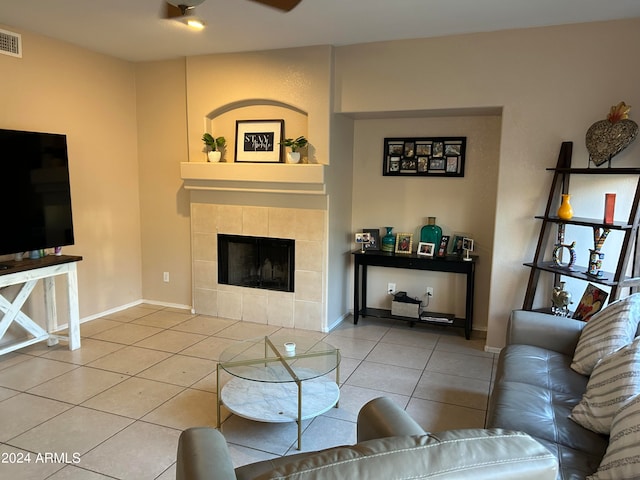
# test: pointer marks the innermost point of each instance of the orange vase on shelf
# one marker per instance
(565, 212)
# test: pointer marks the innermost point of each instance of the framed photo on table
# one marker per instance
(259, 141)
(426, 249)
(404, 243)
(362, 238)
(374, 239)
(442, 249)
(456, 245)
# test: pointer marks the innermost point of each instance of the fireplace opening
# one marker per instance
(256, 262)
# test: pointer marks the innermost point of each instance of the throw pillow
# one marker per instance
(614, 381)
(607, 331)
(622, 459)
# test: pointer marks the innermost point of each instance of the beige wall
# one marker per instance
(91, 98)
(164, 204)
(299, 77)
(340, 196)
(552, 84)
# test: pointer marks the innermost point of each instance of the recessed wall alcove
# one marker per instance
(253, 102)
(222, 121)
(307, 178)
(461, 205)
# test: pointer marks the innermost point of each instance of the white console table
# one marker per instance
(28, 272)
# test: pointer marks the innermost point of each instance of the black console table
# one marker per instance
(450, 264)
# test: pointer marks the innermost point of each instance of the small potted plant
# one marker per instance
(295, 145)
(212, 145)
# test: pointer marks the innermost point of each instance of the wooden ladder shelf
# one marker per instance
(560, 185)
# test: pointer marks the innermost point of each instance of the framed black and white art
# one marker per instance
(259, 141)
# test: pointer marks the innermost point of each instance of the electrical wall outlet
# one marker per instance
(391, 288)
(165, 277)
(430, 291)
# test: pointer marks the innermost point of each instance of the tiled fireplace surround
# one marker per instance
(304, 308)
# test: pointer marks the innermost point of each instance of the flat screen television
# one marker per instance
(35, 195)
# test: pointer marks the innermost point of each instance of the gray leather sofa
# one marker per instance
(536, 389)
(391, 445)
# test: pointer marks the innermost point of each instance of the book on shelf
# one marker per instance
(609, 207)
(429, 318)
(591, 303)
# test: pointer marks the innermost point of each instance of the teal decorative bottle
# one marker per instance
(389, 241)
(431, 233)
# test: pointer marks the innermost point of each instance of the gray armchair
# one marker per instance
(390, 445)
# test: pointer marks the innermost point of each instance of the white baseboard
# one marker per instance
(489, 349)
(129, 305)
(338, 321)
(169, 305)
(110, 311)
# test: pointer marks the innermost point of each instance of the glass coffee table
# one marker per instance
(276, 383)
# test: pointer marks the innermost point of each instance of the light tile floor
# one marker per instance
(115, 407)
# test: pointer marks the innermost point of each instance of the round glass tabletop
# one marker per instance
(267, 359)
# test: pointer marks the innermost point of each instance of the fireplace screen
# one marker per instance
(256, 262)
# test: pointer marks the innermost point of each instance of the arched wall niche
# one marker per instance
(253, 102)
(222, 120)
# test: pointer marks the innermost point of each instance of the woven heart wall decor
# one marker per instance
(607, 138)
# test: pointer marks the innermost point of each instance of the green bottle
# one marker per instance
(431, 233)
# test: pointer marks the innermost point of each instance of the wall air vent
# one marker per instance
(10, 43)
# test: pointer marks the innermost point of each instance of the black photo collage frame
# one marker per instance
(424, 156)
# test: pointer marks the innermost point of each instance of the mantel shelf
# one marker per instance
(254, 177)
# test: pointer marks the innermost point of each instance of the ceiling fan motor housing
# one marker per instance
(181, 7)
(185, 3)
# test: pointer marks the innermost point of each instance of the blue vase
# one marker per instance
(389, 241)
(431, 233)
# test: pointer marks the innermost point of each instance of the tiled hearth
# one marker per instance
(304, 308)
